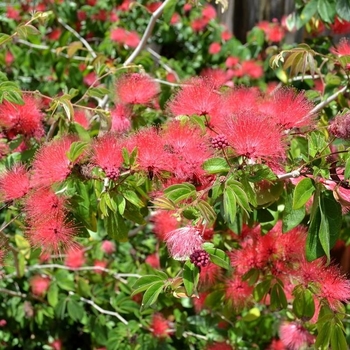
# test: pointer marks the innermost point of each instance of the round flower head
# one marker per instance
(340, 126)
(183, 242)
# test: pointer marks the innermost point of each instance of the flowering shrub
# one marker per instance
(167, 204)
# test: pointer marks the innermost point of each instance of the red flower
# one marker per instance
(39, 285)
(253, 69)
(14, 183)
(25, 120)
(340, 26)
(108, 247)
(231, 61)
(91, 79)
(197, 97)
(238, 292)
(214, 48)
(340, 126)
(219, 346)
(9, 58)
(51, 164)
(209, 12)
(12, 13)
(294, 336)
(100, 265)
(217, 77)
(118, 35)
(183, 242)
(290, 109)
(153, 260)
(164, 222)
(199, 24)
(254, 136)
(121, 118)
(132, 39)
(75, 257)
(107, 154)
(81, 118)
(51, 234)
(209, 274)
(136, 88)
(160, 326)
(55, 34)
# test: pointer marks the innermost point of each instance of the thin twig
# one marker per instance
(12, 293)
(103, 311)
(158, 57)
(326, 101)
(156, 14)
(78, 36)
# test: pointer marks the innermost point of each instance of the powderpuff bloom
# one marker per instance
(209, 275)
(56, 344)
(51, 163)
(75, 257)
(214, 48)
(21, 119)
(209, 12)
(163, 223)
(118, 35)
(160, 327)
(340, 126)
(175, 18)
(238, 292)
(219, 346)
(231, 61)
(107, 154)
(12, 13)
(14, 183)
(252, 69)
(217, 77)
(153, 261)
(183, 242)
(254, 136)
(340, 26)
(197, 97)
(51, 234)
(81, 118)
(290, 109)
(226, 35)
(132, 39)
(43, 202)
(136, 88)
(199, 302)
(9, 58)
(121, 115)
(199, 24)
(39, 285)
(91, 79)
(108, 247)
(55, 34)
(151, 156)
(294, 336)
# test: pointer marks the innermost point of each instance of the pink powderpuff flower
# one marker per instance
(290, 109)
(136, 88)
(199, 301)
(12, 13)
(238, 292)
(43, 202)
(226, 35)
(231, 61)
(252, 69)
(175, 18)
(199, 24)
(9, 58)
(340, 126)
(217, 77)
(14, 183)
(151, 156)
(163, 222)
(214, 48)
(209, 275)
(107, 154)
(121, 118)
(183, 241)
(55, 34)
(75, 257)
(197, 97)
(118, 35)
(254, 136)
(51, 234)
(51, 163)
(22, 119)
(91, 79)
(160, 326)
(294, 336)
(132, 39)
(39, 285)
(153, 6)
(340, 26)
(209, 12)
(108, 247)
(80, 117)
(276, 344)
(56, 344)
(153, 260)
(3, 322)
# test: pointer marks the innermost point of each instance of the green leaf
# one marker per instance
(308, 12)
(60, 308)
(229, 201)
(190, 277)
(216, 166)
(218, 257)
(323, 336)
(326, 10)
(65, 280)
(169, 10)
(303, 192)
(303, 303)
(206, 211)
(76, 149)
(179, 192)
(23, 245)
(291, 217)
(132, 197)
(261, 290)
(338, 340)
(343, 9)
(121, 204)
(75, 310)
(151, 294)
(52, 294)
(252, 315)
(347, 169)
(144, 282)
(98, 92)
(116, 227)
(4, 38)
(259, 172)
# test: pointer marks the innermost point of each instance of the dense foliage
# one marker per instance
(165, 186)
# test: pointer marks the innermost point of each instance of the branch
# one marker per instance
(155, 15)
(12, 293)
(292, 174)
(103, 311)
(327, 101)
(77, 35)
